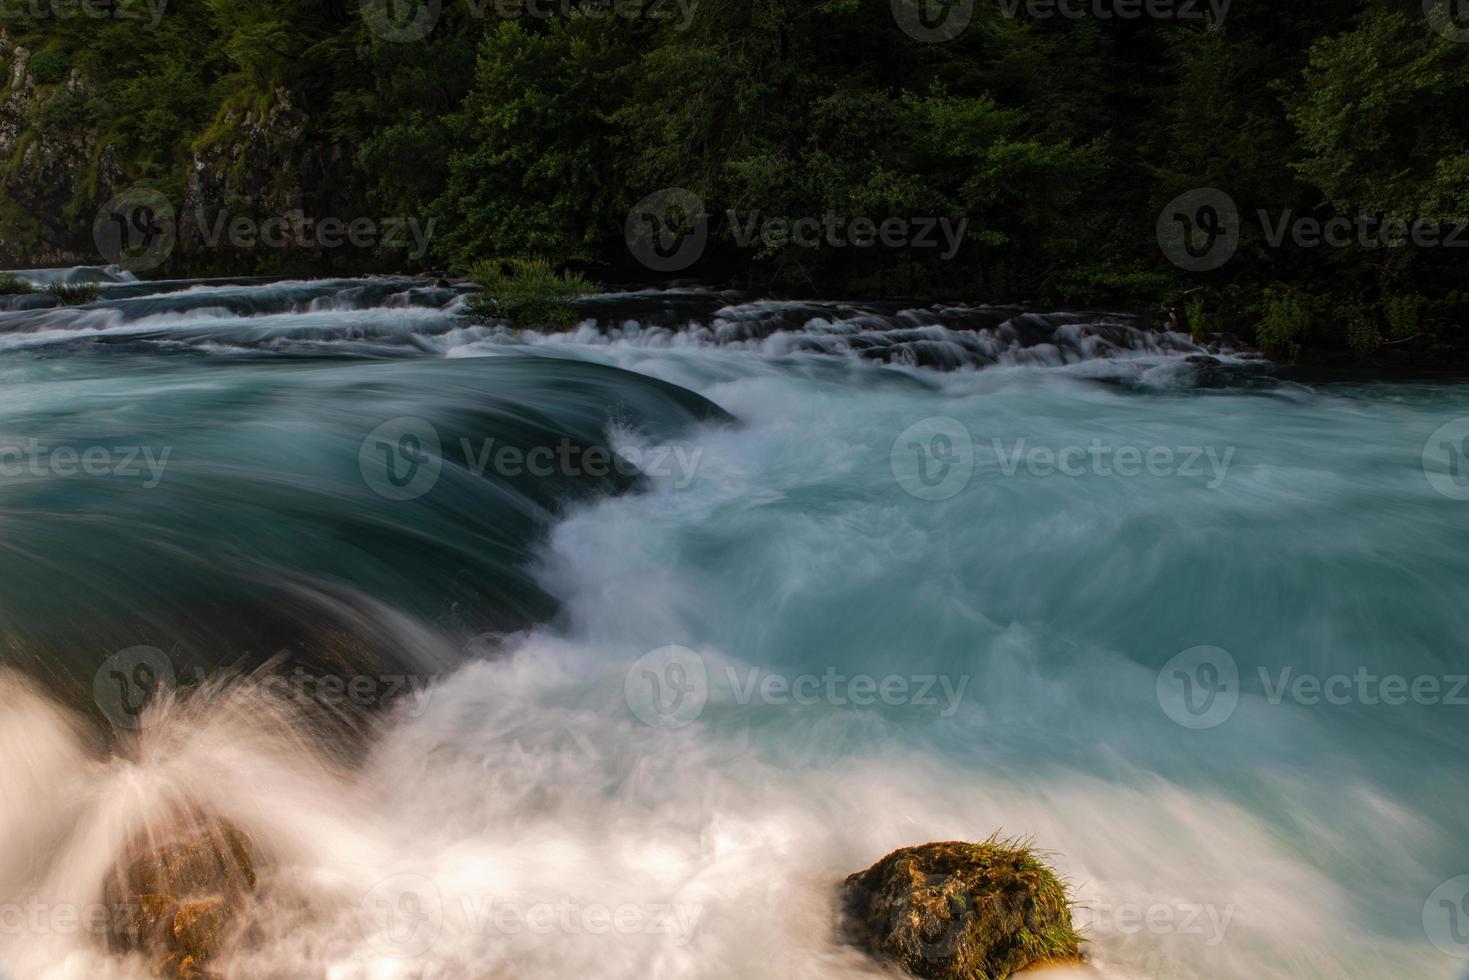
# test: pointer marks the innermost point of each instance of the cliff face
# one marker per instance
(50, 173)
(265, 167)
(56, 172)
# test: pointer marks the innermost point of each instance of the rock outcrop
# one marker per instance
(51, 161)
(962, 911)
(263, 160)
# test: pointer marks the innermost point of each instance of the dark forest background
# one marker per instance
(1060, 139)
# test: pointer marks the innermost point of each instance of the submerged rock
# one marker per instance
(182, 899)
(962, 911)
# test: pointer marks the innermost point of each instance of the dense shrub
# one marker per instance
(529, 293)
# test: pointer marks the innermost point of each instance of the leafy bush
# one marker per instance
(527, 292)
(1287, 316)
(74, 293)
(1363, 336)
(1402, 314)
(66, 112)
(48, 67)
(1198, 320)
(13, 285)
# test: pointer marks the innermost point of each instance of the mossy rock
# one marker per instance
(961, 911)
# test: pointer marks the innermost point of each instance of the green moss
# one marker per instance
(530, 293)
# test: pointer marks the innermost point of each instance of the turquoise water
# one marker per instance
(855, 613)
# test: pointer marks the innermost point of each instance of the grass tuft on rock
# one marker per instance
(74, 293)
(529, 293)
(13, 285)
(962, 911)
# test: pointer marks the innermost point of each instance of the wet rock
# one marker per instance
(182, 900)
(962, 911)
(199, 927)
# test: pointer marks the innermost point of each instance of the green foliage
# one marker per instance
(1382, 118)
(1403, 314)
(13, 285)
(1198, 319)
(529, 293)
(1286, 320)
(1363, 335)
(49, 67)
(74, 293)
(1057, 140)
(537, 177)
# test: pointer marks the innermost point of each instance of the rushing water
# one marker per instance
(650, 719)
